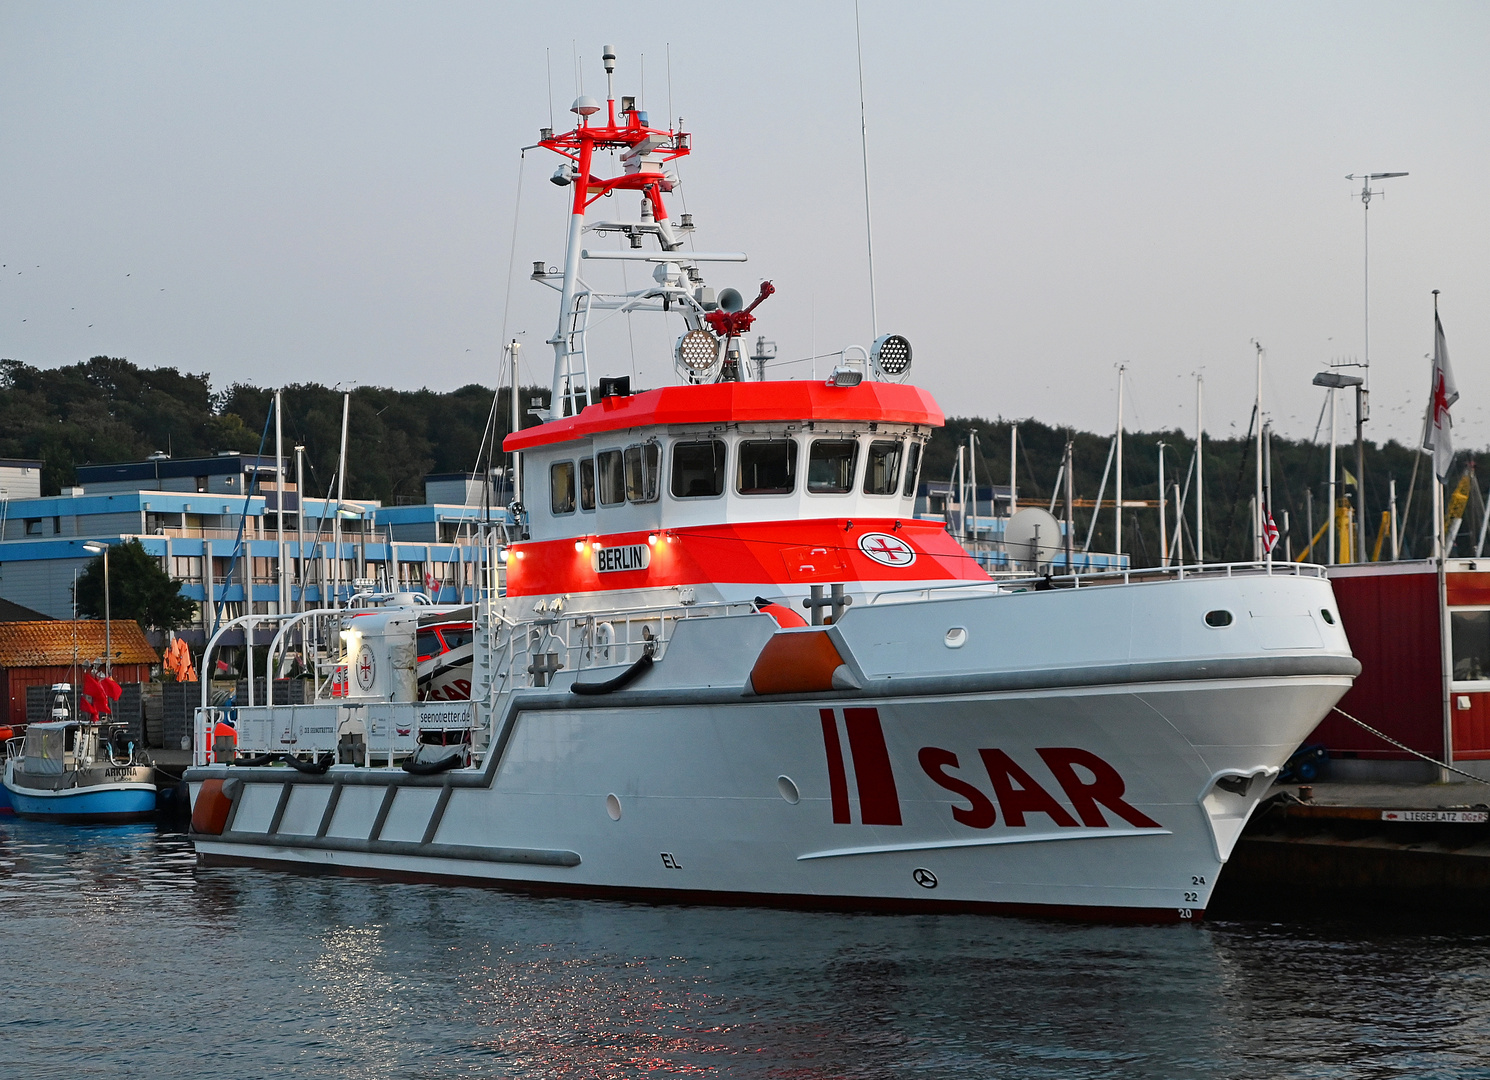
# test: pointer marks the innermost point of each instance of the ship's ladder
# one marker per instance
(575, 373)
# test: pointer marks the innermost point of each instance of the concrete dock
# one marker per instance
(1362, 849)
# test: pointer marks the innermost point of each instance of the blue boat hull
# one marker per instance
(93, 805)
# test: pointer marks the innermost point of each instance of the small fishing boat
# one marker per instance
(78, 772)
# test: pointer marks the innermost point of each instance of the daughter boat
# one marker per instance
(650, 716)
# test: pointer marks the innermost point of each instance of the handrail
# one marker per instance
(249, 621)
(279, 637)
(1130, 576)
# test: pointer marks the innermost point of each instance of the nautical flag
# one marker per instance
(97, 693)
(1269, 534)
(1444, 394)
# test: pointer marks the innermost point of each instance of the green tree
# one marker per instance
(138, 589)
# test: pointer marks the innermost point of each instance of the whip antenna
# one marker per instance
(874, 322)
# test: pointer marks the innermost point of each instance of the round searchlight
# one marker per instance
(698, 350)
(891, 355)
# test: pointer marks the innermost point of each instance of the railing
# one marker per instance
(530, 652)
(176, 532)
(1020, 581)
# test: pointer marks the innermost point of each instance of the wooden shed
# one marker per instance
(1426, 690)
(59, 650)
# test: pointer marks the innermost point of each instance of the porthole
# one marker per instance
(613, 807)
(1329, 616)
(956, 637)
(1218, 618)
(788, 789)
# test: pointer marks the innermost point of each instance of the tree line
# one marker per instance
(108, 409)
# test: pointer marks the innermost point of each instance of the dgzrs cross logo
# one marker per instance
(887, 550)
(367, 668)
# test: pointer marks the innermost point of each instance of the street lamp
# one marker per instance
(1335, 381)
(98, 547)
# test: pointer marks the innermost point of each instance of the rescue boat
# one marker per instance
(721, 660)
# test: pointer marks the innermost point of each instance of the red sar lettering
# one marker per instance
(1019, 794)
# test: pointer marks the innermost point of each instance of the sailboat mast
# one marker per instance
(1117, 502)
(1163, 520)
(1199, 471)
(1257, 510)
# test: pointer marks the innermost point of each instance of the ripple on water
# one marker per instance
(123, 958)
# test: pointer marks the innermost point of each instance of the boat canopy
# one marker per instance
(45, 749)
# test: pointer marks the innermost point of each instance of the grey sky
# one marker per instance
(284, 192)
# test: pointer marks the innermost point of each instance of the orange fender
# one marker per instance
(209, 815)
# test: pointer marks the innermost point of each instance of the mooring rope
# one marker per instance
(1432, 761)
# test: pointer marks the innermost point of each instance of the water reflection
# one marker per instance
(122, 957)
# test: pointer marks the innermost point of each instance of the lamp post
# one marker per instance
(1335, 381)
(98, 547)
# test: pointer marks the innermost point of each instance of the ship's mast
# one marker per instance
(709, 349)
(644, 150)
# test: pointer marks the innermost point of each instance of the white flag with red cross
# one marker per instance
(1444, 394)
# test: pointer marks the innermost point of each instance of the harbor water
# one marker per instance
(123, 958)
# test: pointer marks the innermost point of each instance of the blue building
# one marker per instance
(213, 523)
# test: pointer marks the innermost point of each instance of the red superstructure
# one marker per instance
(736, 403)
(729, 484)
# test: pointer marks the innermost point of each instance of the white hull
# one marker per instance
(1194, 721)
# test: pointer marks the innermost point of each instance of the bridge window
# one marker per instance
(561, 487)
(882, 467)
(767, 467)
(830, 466)
(642, 465)
(698, 469)
(611, 478)
(912, 465)
(587, 484)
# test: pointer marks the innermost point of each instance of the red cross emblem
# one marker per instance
(365, 668)
(1440, 401)
(887, 550)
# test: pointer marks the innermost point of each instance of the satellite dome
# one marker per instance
(585, 106)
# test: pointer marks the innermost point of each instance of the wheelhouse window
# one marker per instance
(767, 467)
(587, 484)
(912, 468)
(830, 466)
(698, 469)
(561, 487)
(1470, 633)
(610, 477)
(882, 467)
(642, 466)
